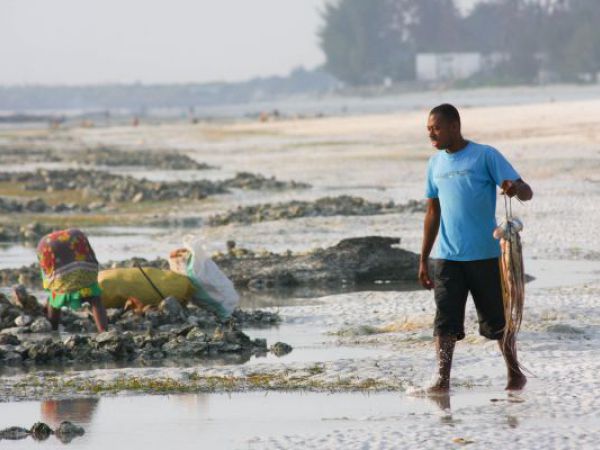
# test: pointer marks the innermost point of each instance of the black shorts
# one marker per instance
(453, 280)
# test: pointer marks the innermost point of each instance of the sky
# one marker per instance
(155, 41)
(75, 42)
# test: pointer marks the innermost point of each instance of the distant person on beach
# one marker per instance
(461, 204)
(70, 275)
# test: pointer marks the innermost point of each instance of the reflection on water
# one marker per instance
(74, 410)
(225, 420)
(61, 366)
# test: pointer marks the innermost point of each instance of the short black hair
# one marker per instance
(447, 111)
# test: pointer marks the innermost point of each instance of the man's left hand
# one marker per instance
(510, 187)
(517, 188)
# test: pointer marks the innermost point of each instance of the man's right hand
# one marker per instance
(424, 275)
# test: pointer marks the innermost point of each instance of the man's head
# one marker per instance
(443, 126)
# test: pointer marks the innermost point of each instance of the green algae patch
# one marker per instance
(310, 379)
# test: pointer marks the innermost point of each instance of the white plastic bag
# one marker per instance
(213, 288)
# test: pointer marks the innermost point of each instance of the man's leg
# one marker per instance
(484, 282)
(516, 379)
(444, 347)
(450, 292)
(99, 313)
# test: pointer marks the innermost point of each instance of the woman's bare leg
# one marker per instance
(99, 313)
(53, 315)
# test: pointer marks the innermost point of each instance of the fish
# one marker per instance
(512, 274)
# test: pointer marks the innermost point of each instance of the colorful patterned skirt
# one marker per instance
(69, 268)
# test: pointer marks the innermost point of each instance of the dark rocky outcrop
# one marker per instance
(280, 349)
(67, 431)
(104, 156)
(343, 205)
(352, 261)
(112, 157)
(177, 343)
(37, 206)
(137, 333)
(118, 188)
(29, 233)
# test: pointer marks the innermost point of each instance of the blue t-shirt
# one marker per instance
(465, 183)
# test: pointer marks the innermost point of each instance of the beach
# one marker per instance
(359, 356)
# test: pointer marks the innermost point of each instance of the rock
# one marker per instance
(196, 334)
(119, 346)
(255, 318)
(247, 181)
(280, 349)
(15, 330)
(114, 314)
(351, 262)
(67, 431)
(36, 205)
(343, 205)
(14, 433)
(40, 431)
(23, 320)
(78, 348)
(172, 307)
(9, 339)
(260, 343)
(237, 337)
(41, 325)
(107, 336)
(231, 347)
(44, 351)
(12, 358)
(23, 300)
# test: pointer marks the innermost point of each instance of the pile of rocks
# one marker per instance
(171, 330)
(112, 187)
(40, 431)
(184, 342)
(106, 156)
(103, 156)
(29, 233)
(27, 153)
(118, 188)
(37, 205)
(250, 181)
(26, 275)
(352, 262)
(343, 205)
(23, 314)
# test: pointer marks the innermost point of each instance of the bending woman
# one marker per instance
(70, 275)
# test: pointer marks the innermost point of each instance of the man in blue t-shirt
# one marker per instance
(461, 204)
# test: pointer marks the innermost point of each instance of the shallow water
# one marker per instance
(219, 421)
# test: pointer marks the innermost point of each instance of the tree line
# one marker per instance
(369, 41)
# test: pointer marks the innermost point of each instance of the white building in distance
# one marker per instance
(432, 67)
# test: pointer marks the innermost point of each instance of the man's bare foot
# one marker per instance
(516, 382)
(440, 387)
